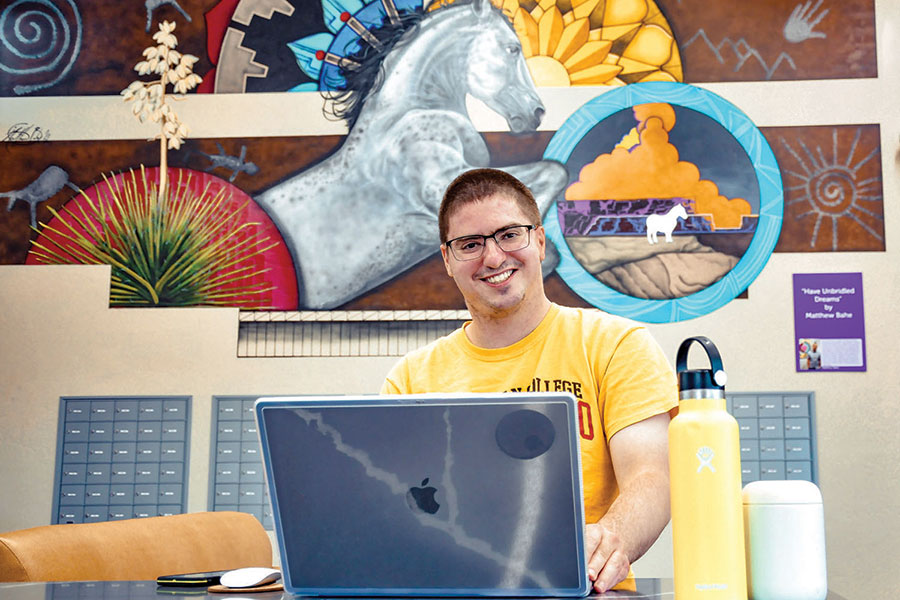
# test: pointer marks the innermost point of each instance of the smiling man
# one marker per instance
(492, 242)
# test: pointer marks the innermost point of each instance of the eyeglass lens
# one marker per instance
(509, 239)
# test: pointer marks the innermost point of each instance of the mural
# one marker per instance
(623, 200)
(171, 239)
(612, 42)
(693, 168)
(293, 219)
(410, 136)
(832, 176)
(771, 40)
(71, 47)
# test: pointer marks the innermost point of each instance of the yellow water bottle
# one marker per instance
(705, 480)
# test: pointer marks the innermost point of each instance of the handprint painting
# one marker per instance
(672, 206)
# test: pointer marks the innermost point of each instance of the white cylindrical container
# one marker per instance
(784, 525)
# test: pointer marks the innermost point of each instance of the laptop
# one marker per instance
(426, 495)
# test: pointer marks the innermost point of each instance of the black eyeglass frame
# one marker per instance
(485, 238)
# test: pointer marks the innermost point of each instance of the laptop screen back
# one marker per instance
(420, 495)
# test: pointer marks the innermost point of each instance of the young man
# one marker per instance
(493, 244)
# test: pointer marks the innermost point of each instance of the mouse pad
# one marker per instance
(269, 587)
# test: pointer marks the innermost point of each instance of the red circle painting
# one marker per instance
(209, 243)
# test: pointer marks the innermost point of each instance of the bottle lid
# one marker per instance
(700, 379)
(781, 492)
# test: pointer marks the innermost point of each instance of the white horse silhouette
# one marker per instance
(369, 211)
(664, 223)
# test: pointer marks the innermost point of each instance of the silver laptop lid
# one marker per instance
(426, 495)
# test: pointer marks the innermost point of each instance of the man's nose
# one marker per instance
(494, 255)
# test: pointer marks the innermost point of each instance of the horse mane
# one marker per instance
(364, 75)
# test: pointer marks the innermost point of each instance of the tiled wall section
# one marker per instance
(342, 333)
(236, 472)
(120, 458)
(777, 433)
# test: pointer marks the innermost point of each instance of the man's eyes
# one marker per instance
(470, 244)
(510, 234)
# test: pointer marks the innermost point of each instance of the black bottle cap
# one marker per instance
(696, 379)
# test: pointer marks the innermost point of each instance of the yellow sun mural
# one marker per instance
(594, 42)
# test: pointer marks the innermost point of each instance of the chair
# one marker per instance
(135, 549)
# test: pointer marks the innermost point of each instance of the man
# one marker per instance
(814, 357)
(493, 244)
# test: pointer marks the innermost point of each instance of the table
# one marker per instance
(647, 589)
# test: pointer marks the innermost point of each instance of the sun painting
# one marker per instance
(594, 42)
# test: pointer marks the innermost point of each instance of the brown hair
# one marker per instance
(478, 184)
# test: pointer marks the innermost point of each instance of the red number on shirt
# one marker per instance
(584, 418)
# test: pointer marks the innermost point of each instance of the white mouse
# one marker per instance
(249, 577)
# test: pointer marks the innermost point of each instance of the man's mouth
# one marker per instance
(499, 277)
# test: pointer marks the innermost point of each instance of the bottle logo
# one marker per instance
(705, 455)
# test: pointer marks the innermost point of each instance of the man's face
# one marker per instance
(498, 282)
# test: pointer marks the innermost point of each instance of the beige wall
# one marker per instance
(58, 338)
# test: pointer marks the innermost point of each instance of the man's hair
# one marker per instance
(479, 184)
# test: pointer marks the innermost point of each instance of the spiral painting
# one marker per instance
(39, 42)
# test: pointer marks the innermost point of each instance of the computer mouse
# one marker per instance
(249, 577)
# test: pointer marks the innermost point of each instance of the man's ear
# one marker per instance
(446, 260)
(541, 240)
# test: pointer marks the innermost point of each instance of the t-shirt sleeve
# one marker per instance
(397, 380)
(638, 383)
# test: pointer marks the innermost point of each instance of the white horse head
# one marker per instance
(464, 48)
(497, 74)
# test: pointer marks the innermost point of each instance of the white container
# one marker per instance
(784, 525)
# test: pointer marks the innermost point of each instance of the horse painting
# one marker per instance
(666, 223)
(369, 211)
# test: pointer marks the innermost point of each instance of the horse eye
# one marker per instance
(513, 50)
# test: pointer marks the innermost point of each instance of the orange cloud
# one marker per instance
(651, 169)
(665, 112)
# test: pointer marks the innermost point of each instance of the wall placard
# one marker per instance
(829, 323)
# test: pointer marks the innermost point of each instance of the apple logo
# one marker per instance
(421, 499)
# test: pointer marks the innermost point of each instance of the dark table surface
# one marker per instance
(649, 589)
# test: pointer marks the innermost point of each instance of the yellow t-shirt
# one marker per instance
(612, 366)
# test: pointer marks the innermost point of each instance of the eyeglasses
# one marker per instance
(509, 239)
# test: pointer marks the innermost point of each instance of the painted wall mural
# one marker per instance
(67, 47)
(670, 159)
(398, 74)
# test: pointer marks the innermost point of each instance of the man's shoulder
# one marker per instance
(435, 348)
(594, 319)
(420, 365)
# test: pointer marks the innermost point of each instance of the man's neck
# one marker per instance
(489, 331)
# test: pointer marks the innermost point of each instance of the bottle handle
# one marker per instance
(715, 359)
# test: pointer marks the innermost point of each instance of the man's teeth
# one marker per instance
(499, 277)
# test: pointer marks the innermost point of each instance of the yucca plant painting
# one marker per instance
(149, 99)
(172, 237)
(188, 248)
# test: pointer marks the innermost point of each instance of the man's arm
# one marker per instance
(635, 519)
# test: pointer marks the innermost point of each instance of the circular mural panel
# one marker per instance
(212, 244)
(674, 202)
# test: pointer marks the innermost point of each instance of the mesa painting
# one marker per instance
(338, 221)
